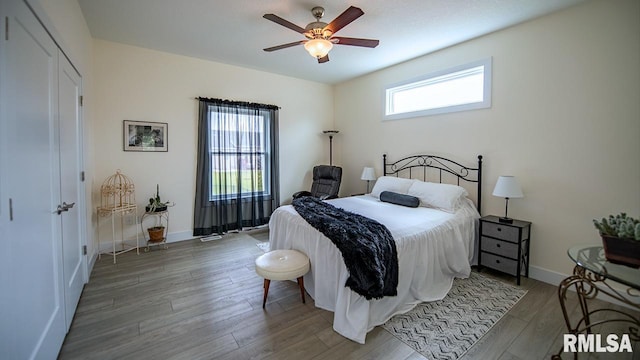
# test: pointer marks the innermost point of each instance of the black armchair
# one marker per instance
(326, 183)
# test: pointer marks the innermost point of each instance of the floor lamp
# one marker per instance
(330, 133)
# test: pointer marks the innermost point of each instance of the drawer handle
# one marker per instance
(499, 229)
(497, 261)
(498, 245)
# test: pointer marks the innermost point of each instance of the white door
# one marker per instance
(71, 191)
(33, 321)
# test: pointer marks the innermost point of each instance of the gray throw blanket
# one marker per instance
(367, 247)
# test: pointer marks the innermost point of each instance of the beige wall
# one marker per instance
(565, 120)
(133, 83)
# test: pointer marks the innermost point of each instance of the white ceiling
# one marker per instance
(234, 32)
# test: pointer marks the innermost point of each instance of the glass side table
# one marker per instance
(589, 278)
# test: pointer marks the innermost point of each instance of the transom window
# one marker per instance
(460, 88)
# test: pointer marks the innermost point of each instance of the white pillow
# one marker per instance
(445, 197)
(391, 183)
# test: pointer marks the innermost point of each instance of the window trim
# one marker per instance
(265, 154)
(486, 103)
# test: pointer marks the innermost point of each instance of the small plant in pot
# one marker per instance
(155, 204)
(620, 239)
(156, 234)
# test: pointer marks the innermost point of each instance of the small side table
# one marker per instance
(589, 278)
(504, 247)
(161, 219)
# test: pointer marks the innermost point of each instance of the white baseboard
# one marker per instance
(180, 236)
(107, 245)
(555, 278)
(92, 261)
(546, 276)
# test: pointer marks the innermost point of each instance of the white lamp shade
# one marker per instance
(508, 187)
(318, 48)
(368, 174)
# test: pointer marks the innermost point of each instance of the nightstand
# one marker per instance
(504, 247)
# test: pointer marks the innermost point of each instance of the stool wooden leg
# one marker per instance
(301, 283)
(267, 282)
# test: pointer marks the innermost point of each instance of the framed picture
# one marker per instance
(145, 136)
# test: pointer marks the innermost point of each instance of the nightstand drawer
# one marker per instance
(499, 263)
(500, 231)
(499, 247)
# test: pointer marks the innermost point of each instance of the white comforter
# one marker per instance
(433, 247)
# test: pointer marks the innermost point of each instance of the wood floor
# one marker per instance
(204, 301)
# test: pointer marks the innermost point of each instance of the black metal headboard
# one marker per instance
(420, 163)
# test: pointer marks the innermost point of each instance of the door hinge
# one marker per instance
(81, 100)
(10, 209)
(6, 28)
(82, 176)
(84, 249)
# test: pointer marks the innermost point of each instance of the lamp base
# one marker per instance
(505, 220)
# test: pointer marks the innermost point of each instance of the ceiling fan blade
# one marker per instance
(323, 59)
(284, 46)
(344, 19)
(370, 43)
(278, 20)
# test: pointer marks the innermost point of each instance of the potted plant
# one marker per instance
(155, 204)
(156, 234)
(620, 239)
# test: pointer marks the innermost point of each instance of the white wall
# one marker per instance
(134, 83)
(565, 120)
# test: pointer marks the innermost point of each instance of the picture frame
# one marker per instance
(145, 136)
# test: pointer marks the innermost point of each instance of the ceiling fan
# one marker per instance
(320, 34)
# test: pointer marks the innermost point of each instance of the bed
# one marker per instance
(435, 242)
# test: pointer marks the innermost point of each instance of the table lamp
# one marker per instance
(507, 187)
(368, 174)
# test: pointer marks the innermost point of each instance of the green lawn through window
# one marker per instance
(225, 182)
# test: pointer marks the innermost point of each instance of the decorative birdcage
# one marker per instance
(117, 193)
(118, 198)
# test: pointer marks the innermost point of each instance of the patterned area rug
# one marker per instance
(448, 328)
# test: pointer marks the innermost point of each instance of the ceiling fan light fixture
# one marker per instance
(320, 34)
(318, 48)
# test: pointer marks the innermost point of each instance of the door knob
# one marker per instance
(63, 207)
(66, 207)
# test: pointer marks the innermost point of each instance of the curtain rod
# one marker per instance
(234, 102)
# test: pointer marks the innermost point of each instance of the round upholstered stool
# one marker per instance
(282, 265)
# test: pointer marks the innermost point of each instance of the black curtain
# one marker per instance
(237, 166)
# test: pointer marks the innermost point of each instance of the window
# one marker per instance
(461, 88)
(237, 166)
(239, 153)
